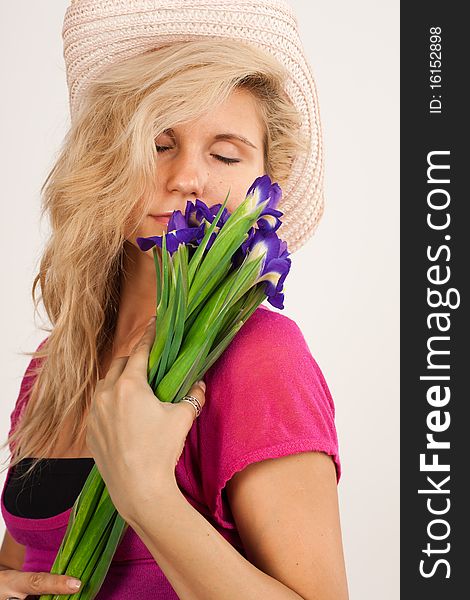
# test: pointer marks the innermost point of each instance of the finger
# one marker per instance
(115, 370)
(42, 583)
(198, 391)
(139, 357)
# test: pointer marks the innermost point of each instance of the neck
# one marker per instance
(138, 298)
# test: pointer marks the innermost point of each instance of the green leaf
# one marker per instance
(86, 590)
(183, 264)
(155, 251)
(190, 376)
(94, 577)
(219, 349)
(214, 277)
(179, 323)
(91, 536)
(175, 378)
(249, 305)
(216, 264)
(244, 278)
(79, 519)
(231, 316)
(197, 256)
(191, 318)
(163, 331)
(162, 367)
(165, 267)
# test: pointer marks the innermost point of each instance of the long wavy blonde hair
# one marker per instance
(106, 167)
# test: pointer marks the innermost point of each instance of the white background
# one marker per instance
(343, 288)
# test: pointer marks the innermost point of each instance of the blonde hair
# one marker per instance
(105, 169)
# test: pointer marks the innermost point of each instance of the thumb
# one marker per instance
(42, 583)
(138, 360)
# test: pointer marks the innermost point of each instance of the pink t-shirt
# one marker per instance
(266, 397)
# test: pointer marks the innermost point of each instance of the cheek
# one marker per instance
(236, 197)
(145, 228)
(234, 203)
(131, 223)
(238, 190)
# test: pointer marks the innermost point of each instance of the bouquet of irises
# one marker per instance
(213, 270)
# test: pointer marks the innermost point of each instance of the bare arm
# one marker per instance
(286, 512)
(197, 560)
(11, 554)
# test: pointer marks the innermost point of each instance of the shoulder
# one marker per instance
(270, 347)
(268, 324)
(267, 339)
(266, 397)
(268, 367)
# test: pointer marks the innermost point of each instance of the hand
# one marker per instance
(135, 439)
(19, 584)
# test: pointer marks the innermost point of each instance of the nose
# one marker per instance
(186, 176)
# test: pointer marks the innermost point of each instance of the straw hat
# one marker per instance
(98, 33)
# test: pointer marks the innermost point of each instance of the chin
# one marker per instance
(151, 229)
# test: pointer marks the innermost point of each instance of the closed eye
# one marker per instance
(224, 159)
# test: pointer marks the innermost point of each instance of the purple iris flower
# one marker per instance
(200, 215)
(274, 267)
(197, 212)
(263, 190)
(188, 228)
(177, 233)
(269, 219)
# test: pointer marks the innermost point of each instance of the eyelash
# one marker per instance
(227, 161)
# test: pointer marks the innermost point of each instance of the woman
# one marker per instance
(173, 101)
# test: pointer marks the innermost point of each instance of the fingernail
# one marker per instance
(202, 384)
(74, 584)
(152, 320)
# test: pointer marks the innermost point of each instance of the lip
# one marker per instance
(161, 218)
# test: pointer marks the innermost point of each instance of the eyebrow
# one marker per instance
(224, 136)
(234, 136)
